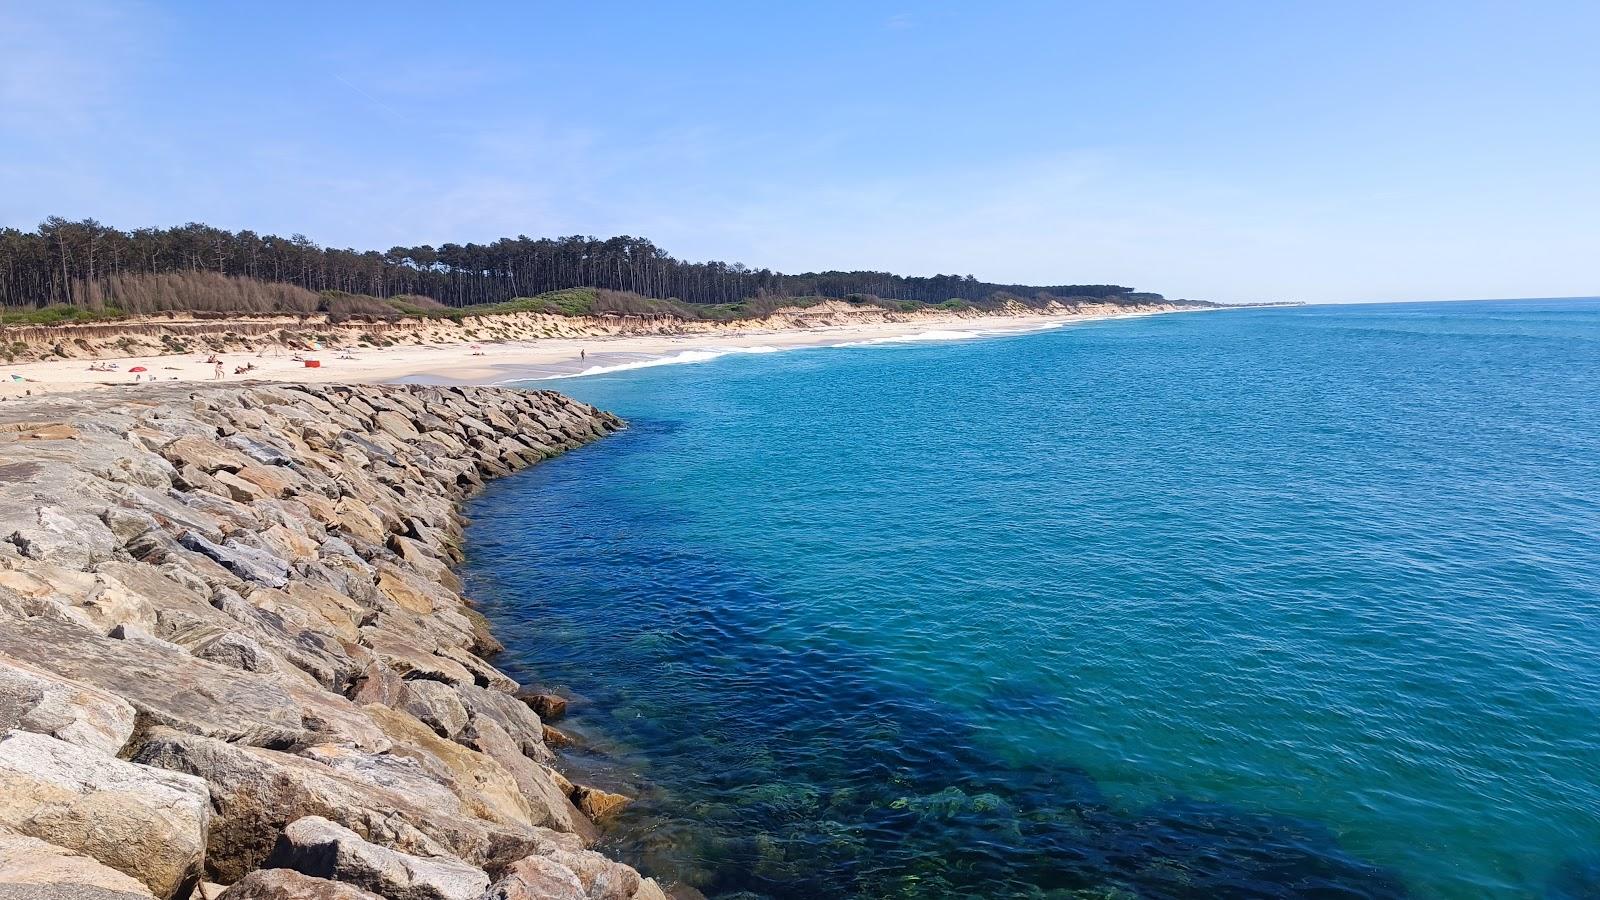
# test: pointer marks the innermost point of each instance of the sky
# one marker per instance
(1229, 151)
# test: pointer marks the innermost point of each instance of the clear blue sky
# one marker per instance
(1223, 150)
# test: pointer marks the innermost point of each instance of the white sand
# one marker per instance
(492, 362)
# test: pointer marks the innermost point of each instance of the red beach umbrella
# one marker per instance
(138, 369)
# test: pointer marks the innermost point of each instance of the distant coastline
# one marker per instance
(474, 350)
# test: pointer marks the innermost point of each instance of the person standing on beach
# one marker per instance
(218, 369)
(582, 354)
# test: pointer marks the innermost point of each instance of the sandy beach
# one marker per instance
(491, 363)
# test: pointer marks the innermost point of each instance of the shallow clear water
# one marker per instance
(1295, 602)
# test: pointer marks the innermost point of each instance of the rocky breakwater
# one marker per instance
(234, 658)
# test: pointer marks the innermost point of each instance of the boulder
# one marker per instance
(30, 861)
(398, 425)
(518, 721)
(602, 878)
(317, 847)
(259, 449)
(550, 707)
(34, 699)
(378, 684)
(486, 789)
(436, 705)
(64, 891)
(194, 695)
(144, 822)
(257, 792)
(649, 889)
(537, 878)
(412, 661)
(246, 562)
(287, 884)
(268, 481)
(356, 518)
(237, 651)
(411, 593)
(597, 804)
(206, 455)
(73, 541)
(235, 488)
(546, 795)
(421, 780)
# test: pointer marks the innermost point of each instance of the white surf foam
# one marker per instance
(676, 359)
(915, 338)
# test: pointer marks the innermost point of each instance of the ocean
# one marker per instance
(1293, 602)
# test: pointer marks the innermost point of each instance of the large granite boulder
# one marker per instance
(55, 536)
(256, 792)
(537, 878)
(519, 722)
(486, 789)
(287, 884)
(436, 704)
(37, 700)
(29, 861)
(320, 848)
(144, 822)
(176, 689)
(548, 798)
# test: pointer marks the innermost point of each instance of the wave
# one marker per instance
(711, 353)
(914, 338)
(945, 335)
(686, 356)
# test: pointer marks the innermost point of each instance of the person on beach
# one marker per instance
(218, 370)
(582, 354)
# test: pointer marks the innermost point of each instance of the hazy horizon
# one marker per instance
(1240, 152)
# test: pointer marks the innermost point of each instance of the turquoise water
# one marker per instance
(1294, 602)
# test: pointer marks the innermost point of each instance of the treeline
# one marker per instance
(88, 265)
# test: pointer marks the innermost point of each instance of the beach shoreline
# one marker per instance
(505, 361)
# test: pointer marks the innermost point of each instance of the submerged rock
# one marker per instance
(550, 707)
(597, 804)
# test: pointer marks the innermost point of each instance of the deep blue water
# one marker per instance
(1292, 602)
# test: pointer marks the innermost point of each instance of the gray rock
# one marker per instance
(287, 884)
(29, 861)
(436, 705)
(547, 800)
(34, 699)
(143, 822)
(258, 449)
(512, 715)
(190, 694)
(237, 651)
(258, 791)
(317, 847)
(65, 891)
(602, 878)
(537, 878)
(246, 562)
(74, 541)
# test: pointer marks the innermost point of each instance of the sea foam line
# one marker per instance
(706, 355)
(680, 358)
